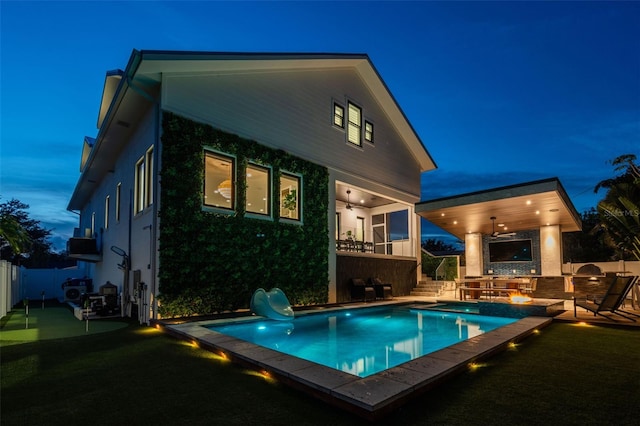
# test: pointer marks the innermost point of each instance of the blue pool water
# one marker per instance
(364, 341)
(465, 308)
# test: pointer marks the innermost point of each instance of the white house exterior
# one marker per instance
(331, 110)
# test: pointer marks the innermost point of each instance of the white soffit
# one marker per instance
(518, 207)
(111, 82)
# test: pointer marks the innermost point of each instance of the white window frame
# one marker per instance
(354, 124)
(368, 131)
(148, 199)
(143, 192)
(139, 186)
(106, 211)
(268, 183)
(232, 178)
(118, 194)
(337, 107)
(284, 214)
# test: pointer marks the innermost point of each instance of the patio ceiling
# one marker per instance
(518, 207)
(360, 197)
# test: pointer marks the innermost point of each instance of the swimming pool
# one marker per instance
(461, 307)
(364, 341)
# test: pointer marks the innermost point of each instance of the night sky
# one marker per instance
(500, 93)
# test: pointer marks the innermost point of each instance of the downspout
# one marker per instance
(128, 270)
(156, 206)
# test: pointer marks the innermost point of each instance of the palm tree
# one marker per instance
(13, 234)
(620, 209)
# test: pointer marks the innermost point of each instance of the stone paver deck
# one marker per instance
(370, 397)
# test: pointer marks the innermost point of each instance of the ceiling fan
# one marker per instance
(497, 234)
(349, 206)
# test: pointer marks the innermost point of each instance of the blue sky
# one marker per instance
(499, 92)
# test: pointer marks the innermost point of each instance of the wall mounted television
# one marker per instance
(510, 251)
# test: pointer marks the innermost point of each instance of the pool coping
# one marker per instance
(371, 397)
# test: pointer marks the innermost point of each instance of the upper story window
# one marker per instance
(258, 189)
(138, 199)
(143, 192)
(290, 196)
(368, 131)
(355, 124)
(219, 182)
(338, 115)
(149, 178)
(106, 212)
(118, 192)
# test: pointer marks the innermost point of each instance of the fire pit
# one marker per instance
(520, 299)
(522, 306)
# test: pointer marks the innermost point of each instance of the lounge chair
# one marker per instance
(609, 301)
(383, 290)
(361, 290)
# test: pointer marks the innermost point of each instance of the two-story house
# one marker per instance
(213, 174)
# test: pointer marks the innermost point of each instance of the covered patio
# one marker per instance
(509, 232)
(513, 245)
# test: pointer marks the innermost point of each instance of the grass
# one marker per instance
(567, 374)
(55, 321)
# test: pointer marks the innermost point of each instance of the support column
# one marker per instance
(550, 250)
(473, 254)
(332, 238)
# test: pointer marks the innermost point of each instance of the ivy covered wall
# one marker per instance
(213, 262)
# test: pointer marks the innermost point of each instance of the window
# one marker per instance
(355, 124)
(149, 178)
(138, 200)
(118, 191)
(143, 195)
(398, 225)
(368, 131)
(337, 226)
(338, 116)
(290, 196)
(219, 184)
(359, 228)
(379, 232)
(106, 212)
(391, 233)
(258, 189)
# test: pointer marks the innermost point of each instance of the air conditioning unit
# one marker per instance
(73, 293)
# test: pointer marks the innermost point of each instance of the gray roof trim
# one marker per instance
(503, 193)
(500, 193)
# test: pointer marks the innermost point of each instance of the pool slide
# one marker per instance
(272, 304)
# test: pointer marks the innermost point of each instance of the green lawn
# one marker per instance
(565, 375)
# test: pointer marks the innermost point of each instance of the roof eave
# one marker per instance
(156, 62)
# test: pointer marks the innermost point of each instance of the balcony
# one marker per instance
(84, 249)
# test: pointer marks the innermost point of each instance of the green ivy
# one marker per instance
(213, 262)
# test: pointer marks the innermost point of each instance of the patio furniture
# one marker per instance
(383, 290)
(490, 287)
(361, 291)
(509, 288)
(610, 301)
(473, 294)
(529, 287)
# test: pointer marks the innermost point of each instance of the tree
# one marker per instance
(13, 235)
(619, 211)
(23, 240)
(589, 245)
(438, 246)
